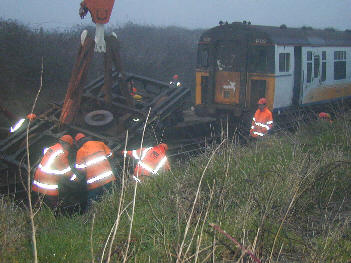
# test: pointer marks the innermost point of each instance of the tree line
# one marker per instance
(156, 52)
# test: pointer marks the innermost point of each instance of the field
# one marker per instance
(285, 198)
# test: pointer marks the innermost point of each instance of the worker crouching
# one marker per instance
(150, 160)
(53, 166)
(262, 121)
(323, 116)
(92, 162)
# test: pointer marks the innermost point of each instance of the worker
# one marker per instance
(149, 160)
(22, 121)
(325, 117)
(100, 12)
(54, 165)
(262, 121)
(92, 161)
(175, 82)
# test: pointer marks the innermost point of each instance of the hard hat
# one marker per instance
(31, 116)
(67, 138)
(262, 101)
(165, 146)
(175, 76)
(324, 115)
(79, 136)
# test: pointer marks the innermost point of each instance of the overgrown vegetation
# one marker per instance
(285, 201)
(156, 52)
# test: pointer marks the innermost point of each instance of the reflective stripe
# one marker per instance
(145, 166)
(269, 122)
(45, 150)
(47, 168)
(145, 152)
(258, 133)
(99, 177)
(17, 125)
(135, 155)
(91, 162)
(252, 127)
(262, 125)
(46, 186)
(158, 167)
(74, 177)
(254, 119)
(160, 164)
(109, 155)
(136, 179)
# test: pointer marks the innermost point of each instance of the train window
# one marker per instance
(324, 66)
(339, 65)
(309, 55)
(284, 62)
(324, 71)
(202, 58)
(309, 72)
(316, 62)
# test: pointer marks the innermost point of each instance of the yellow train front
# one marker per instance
(238, 63)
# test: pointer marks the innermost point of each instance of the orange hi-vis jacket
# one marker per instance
(92, 159)
(52, 167)
(262, 122)
(100, 10)
(150, 160)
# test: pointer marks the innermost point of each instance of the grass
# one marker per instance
(286, 202)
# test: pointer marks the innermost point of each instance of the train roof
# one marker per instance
(282, 35)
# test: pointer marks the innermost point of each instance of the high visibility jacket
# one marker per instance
(175, 84)
(100, 10)
(52, 167)
(92, 160)
(150, 160)
(262, 122)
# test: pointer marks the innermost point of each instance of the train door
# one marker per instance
(297, 76)
(257, 91)
(227, 77)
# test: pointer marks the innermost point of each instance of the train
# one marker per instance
(238, 63)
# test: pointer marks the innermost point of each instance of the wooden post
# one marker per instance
(76, 84)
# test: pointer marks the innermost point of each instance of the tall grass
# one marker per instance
(285, 201)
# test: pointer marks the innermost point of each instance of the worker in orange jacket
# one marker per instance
(325, 117)
(149, 160)
(19, 124)
(262, 121)
(53, 166)
(175, 83)
(92, 161)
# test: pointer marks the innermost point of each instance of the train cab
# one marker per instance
(238, 63)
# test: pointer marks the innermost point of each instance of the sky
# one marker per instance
(192, 14)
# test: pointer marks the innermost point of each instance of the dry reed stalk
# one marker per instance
(91, 240)
(204, 221)
(135, 192)
(195, 200)
(31, 214)
(121, 201)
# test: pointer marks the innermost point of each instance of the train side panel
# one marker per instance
(326, 74)
(284, 76)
